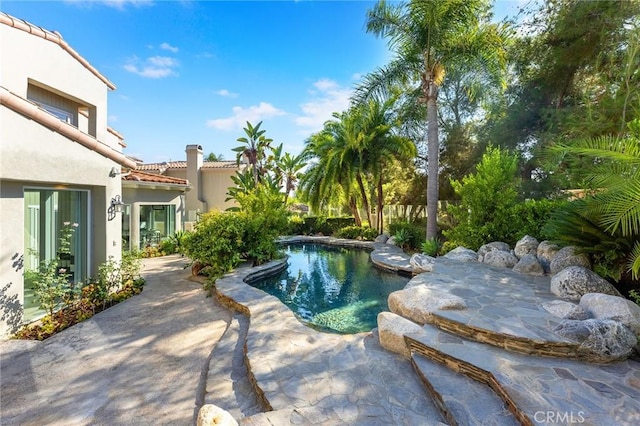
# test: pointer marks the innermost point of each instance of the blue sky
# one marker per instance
(193, 72)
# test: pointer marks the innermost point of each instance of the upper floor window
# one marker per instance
(63, 108)
(63, 115)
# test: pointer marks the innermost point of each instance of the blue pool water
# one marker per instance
(332, 288)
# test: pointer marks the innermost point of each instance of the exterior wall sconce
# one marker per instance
(117, 206)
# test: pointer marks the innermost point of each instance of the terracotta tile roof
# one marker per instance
(161, 167)
(138, 176)
(53, 37)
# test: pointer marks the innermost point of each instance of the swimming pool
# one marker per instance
(333, 288)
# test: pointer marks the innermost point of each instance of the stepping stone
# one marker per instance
(462, 400)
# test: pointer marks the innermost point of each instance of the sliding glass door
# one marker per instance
(47, 213)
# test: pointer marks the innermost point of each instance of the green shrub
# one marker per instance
(216, 241)
(355, 232)
(487, 197)
(266, 218)
(296, 225)
(408, 235)
(168, 246)
(221, 240)
(447, 246)
(570, 226)
(311, 225)
(431, 246)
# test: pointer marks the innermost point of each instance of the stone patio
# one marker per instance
(495, 363)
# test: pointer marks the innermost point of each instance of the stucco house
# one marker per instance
(163, 198)
(210, 180)
(154, 208)
(57, 163)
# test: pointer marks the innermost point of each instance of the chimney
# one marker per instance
(193, 199)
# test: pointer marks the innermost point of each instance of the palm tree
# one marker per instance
(610, 166)
(382, 147)
(327, 179)
(428, 37)
(254, 149)
(214, 157)
(353, 149)
(290, 167)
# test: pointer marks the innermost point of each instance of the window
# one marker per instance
(59, 106)
(157, 221)
(62, 115)
(46, 213)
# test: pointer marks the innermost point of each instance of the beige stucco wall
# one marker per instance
(33, 156)
(26, 57)
(215, 184)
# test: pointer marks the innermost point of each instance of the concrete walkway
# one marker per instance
(143, 361)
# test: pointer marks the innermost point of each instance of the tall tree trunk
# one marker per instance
(380, 205)
(433, 152)
(363, 194)
(354, 209)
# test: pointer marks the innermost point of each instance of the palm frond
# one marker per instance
(634, 261)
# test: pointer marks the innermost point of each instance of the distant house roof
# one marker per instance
(138, 176)
(53, 37)
(161, 167)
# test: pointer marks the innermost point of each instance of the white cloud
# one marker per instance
(170, 48)
(153, 67)
(226, 94)
(253, 114)
(329, 97)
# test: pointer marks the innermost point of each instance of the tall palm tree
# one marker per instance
(428, 37)
(327, 178)
(290, 167)
(254, 149)
(382, 147)
(353, 149)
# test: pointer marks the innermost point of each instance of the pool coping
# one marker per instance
(273, 327)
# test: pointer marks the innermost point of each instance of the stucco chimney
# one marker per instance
(193, 199)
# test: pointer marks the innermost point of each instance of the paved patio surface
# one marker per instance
(141, 362)
(157, 357)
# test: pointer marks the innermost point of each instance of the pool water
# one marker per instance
(333, 288)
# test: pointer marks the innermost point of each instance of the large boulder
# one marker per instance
(565, 310)
(391, 331)
(382, 238)
(462, 254)
(495, 245)
(546, 252)
(604, 306)
(526, 245)
(210, 415)
(417, 303)
(575, 281)
(568, 256)
(503, 259)
(600, 340)
(391, 241)
(528, 264)
(422, 263)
